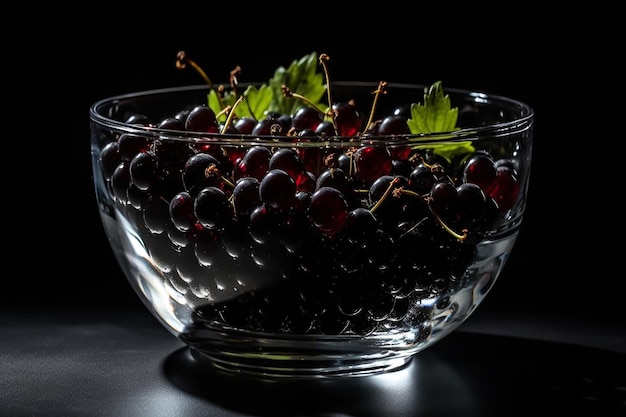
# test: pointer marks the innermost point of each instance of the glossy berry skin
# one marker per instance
(202, 119)
(110, 158)
(212, 208)
(255, 163)
(443, 200)
(143, 170)
(181, 211)
(471, 204)
(422, 179)
(394, 125)
(121, 182)
(262, 224)
(289, 161)
(246, 196)
(244, 125)
(481, 170)
(138, 120)
(155, 214)
(328, 210)
(347, 119)
(306, 118)
(269, 127)
(200, 171)
(277, 189)
(372, 162)
(130, 145)
(336, 178)
(326, 128)
(497, 178)
(361, 224)
(506, 188)
(172, 123)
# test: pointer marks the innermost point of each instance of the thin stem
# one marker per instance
(400, 190)
(385, 194)
(234, 81)
(231, 114)
(223, 112)
(181, 63)
(447, 228)
(182, 60)
(379, 91)
(324, 58)
(288, 93)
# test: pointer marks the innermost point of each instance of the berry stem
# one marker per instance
(288, 93)
(223, 112)
(181, 63)
(447, 228)
(324, 58)
(231, 114)
(234, 81)
(227, 181)
(385, 194)
(182, 60)
(379, 91)
(399, 191)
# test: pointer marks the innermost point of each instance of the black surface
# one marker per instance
(64, 365)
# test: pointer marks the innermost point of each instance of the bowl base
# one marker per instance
(298, 366)
(270, 355)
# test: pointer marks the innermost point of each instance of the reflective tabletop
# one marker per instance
(124, 363)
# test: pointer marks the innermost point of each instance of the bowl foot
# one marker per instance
(299, 366)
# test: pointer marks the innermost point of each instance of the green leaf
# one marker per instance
(215, 104)
(301, 77)
(435, 115)
(256, 102)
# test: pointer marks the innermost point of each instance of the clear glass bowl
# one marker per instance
(305, 289)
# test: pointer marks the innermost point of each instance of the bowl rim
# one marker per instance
(524, 121)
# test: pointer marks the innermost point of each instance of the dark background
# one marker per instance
(57, 254)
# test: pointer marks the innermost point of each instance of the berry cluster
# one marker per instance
(279, 237)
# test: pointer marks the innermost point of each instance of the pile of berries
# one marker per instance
(284, 236)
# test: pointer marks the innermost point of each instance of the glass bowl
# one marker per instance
(284, 254)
